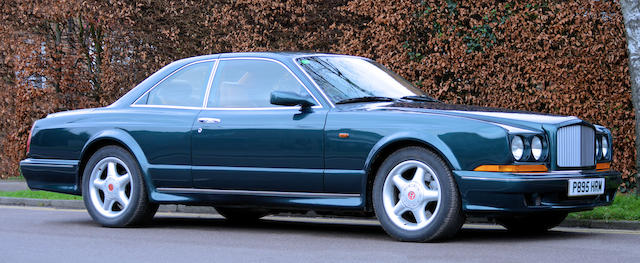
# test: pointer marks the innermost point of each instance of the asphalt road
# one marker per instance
(30, 234)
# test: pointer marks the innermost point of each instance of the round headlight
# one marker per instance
(536, 147)
(517, 147)
(605, 147)
(598, 149)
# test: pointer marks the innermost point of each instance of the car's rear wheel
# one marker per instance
(241, 215)
(113, 189)
(532, 224)
(415, 196)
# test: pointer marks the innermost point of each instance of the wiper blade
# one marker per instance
(420, 98)
(365, 99)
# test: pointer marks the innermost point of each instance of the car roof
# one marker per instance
(272, 54)
(278, 55)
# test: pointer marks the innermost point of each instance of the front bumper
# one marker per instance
(497, 193)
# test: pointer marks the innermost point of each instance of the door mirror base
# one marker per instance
(285, 98)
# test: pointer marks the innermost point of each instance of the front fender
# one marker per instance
(431, 140)
(464, 144)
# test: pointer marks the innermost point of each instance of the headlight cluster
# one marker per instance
(528, 148)
(517, 147)
(603, 150)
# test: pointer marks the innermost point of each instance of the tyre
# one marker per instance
(532, 224)
(415, 197)
(113, 189)
(241, 215)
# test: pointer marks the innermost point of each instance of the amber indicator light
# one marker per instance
(512, 168)
(603, 166)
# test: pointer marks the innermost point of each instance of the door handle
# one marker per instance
(208, 120)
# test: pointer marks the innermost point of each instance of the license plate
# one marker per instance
(591, 186)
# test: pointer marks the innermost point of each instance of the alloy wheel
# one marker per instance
(411, 195)
(110, 187)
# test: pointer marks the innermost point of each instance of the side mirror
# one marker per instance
(285, 98)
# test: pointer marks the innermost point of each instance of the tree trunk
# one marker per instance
(631, 13)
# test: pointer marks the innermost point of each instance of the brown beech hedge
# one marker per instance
(560, 57)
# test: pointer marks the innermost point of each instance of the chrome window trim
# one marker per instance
(210, 84)
(167, 107)
(264, 108)
(229, 109)
(166, 77)
(206, 93)
(259, 193)
(318, 106)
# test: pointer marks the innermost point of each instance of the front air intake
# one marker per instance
(576, 146)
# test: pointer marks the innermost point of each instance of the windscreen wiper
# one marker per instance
(365, 99)
(424, 98)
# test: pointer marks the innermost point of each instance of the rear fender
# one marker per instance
(121, 138)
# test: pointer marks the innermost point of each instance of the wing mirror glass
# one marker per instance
(285, 98)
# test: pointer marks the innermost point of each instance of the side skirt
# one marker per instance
(269, 199)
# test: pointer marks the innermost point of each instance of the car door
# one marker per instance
(161, 121)
(243, 142)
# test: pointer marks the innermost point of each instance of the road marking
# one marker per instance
(338, 221)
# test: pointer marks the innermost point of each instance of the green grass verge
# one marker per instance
(40, 195)
(624, 207)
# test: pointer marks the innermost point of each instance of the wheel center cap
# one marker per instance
(110, 187)
(411, 195)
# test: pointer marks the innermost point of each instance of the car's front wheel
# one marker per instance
(416, 198)
(113, 189)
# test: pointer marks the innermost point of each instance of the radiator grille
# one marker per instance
(576, 146)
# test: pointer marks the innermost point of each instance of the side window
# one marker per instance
(248, 83)
(184, 88)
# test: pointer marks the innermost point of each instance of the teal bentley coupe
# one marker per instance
(259, 133)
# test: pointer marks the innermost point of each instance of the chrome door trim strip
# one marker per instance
(256, 169)
(254, 193)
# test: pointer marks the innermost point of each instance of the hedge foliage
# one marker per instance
(561, 57)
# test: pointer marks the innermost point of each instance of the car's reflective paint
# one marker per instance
(282, 152)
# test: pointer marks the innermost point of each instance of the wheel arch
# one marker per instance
(112, 137)
(387, 146)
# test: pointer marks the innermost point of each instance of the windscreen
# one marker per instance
(344, 77)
